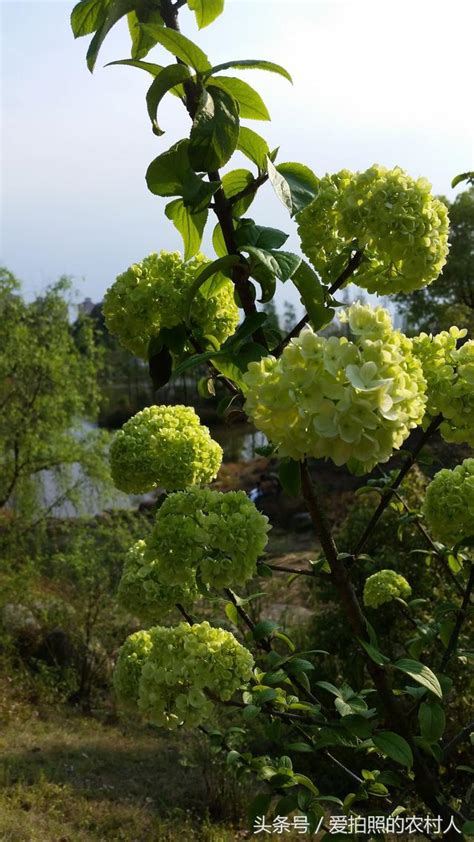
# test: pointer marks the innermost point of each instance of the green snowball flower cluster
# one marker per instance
(207, 534)
(184, 669)
(401, 227)
(163, 446)
(383, 587)
(152, 295)
(449, 503)
(449, 373)
(354, 402)
(142, 590)
(128, 669)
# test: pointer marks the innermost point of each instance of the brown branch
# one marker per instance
(389, 492)
(462, 614)
(280, 568)
(426, 784)
(221, 206)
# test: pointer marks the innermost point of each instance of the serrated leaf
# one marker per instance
(190, 225)
(232, 184)
(395, 747)
(215, 130)
(251, 104)
(420, 673)
(169, 77)
(247, 233)
(206, 11)
(432, 721)
(282, 264)
(180, 46)
(290, 476)
(253, 146)
(252, 64)
(302, 184)
(88, 15)
(142, 43)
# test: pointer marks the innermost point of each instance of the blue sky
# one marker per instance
(386, 82)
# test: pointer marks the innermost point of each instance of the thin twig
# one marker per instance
(280, 568)
(462, 614)
(389, 492)
(429, 540)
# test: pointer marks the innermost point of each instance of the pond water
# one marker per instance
(238, 442)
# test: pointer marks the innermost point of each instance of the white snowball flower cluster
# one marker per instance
(353, 401)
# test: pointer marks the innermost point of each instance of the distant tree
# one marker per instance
(289, 316)
(48, 385)
(450, 299)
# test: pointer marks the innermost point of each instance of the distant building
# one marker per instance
(86, 307)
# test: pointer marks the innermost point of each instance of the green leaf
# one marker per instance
(290, 477)
(468, 829)
(280, 186)
(303, 747)
(306, 782)
(174, 338)
(88, 15)
(190, 225)
(394, 747)
(282, 264)
(170, 174)
(251, 64)
(142, 43)
(259, 807)
(232, 613)
(374, 653)
(263, 629)
(420, 673)
(218, 241)
(432, 721)
(180, 46)
(232, 183)
(169, 77)
(311, 293)
(464, 176)
(206, 11)
(116, 9)
(213, 285)
(253, 146)
(222, 264)
(251, 104)
(248, 327)
(247, 233)
(215, 130)
(302, 184)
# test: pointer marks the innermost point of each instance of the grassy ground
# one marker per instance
(69, 778)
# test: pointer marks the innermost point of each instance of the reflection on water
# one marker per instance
(238, 442)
